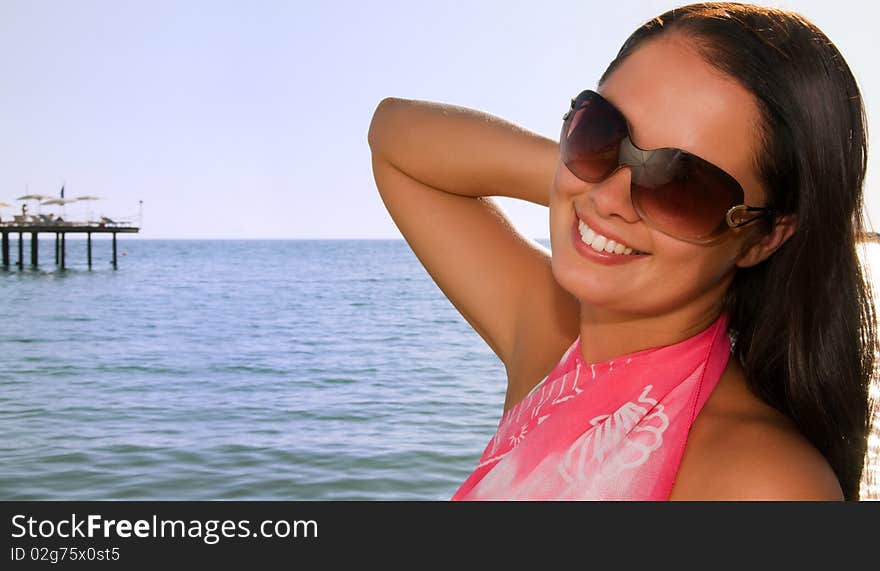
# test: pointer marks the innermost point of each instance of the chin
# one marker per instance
(587, 286)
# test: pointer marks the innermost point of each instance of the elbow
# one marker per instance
(374, 134)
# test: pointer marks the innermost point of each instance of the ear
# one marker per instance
(759, 246)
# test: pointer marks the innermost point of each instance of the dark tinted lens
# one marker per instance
(591, 136)
(683, 195)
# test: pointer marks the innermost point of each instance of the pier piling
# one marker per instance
(61, 230)
(35, 247)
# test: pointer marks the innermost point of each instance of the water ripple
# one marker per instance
(240, 370)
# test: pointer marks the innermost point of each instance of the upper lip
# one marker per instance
(604, 232)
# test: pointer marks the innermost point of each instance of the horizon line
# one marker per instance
(130, 236)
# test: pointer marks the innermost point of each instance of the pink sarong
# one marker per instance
(614, 430)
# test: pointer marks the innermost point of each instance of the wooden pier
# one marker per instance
(60, 229)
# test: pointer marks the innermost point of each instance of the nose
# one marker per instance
(612, 195)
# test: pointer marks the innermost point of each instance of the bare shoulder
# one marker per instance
(762, 459)
(742, 449)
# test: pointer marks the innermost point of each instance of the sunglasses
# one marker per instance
(674, 191)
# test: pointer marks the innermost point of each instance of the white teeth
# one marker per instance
(589, 235)
(601, 243)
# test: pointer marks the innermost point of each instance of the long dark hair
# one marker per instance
(803, 319)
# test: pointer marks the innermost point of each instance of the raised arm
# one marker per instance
(435, 166)
(463, 151)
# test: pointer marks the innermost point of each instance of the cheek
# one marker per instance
(561, 213)
(566, 186)
(691, 271)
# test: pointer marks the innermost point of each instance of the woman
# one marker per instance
(705, 203)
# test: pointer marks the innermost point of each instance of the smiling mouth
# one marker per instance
(602, 243)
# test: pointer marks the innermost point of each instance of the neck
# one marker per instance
(607, 334)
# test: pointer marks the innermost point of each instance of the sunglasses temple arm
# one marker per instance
(765, 213)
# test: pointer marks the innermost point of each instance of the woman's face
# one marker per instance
(670, 98)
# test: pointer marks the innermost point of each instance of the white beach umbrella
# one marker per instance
(36, 197)
(62, 202)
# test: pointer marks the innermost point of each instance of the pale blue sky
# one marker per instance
(249, 119)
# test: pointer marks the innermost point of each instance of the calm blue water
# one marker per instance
(292, 370)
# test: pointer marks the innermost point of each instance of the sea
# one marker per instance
(227, 370)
